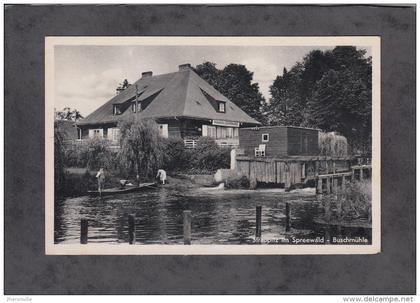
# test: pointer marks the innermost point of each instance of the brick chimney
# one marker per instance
(185, 66)
(146, 74)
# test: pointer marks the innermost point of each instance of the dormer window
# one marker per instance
(117, 110)
(221, 107)
(133, 107)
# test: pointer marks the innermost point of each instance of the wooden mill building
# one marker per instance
(183, 104)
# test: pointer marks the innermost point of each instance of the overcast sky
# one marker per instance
(87, 76)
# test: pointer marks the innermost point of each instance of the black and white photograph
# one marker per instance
(212, 145)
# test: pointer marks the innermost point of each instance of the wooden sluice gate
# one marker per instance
(327, 174)
(332, 183)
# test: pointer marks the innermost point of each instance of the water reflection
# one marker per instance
(225, 217)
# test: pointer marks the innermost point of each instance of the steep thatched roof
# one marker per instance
(179, 94)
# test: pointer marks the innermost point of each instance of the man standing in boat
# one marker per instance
(162, 174)
(101, 179)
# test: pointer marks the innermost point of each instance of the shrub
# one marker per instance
(97, 154)
(176, 156)
(209, 156)
(355, 202)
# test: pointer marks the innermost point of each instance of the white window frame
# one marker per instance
(265, 140)
(117, 110)
(163, 130)
(219, 107)
(209, 131)
(96, 133)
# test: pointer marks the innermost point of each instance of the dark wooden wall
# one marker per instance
(283, 141)
(183, 128)
(250, 138)
(302, 142)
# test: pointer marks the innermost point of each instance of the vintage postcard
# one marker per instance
(212, 145)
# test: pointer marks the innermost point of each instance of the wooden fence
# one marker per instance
(291, 171)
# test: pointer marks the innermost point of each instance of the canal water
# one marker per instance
(218, 217)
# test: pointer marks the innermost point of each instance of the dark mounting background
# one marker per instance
(29, 271)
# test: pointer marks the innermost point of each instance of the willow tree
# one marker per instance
(141, 147)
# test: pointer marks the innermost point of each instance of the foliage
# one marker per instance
(235, 82)
(176, 156)
(59, 158)
(341, 102)
(330, 90)
(68, 114)
(142, 148)
(93, 154)
(354, 203)
(97, 154)
(209, 156)
(332, 144)
(206, 158)
(125, 84)
(76, 156)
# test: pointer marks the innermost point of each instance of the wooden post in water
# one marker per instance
(319, 187)
(131, 229)
(287, 183)
(83, 231)
(258, 224)
(328, 185)
(187, 227)
(288, 217)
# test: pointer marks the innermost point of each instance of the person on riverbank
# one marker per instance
(101, 179)
(162, 175)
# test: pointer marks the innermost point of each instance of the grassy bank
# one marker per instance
(351, 206)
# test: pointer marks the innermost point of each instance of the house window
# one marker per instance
(229, 133)
(222, 107)
(265, 137)
(163, 130)
(117, 110)
(209, 131)
(114, 134)
(133, 107)
(96, 133)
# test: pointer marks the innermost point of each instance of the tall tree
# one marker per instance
(285, 107)
(235, 82)
(330, 90)
(68, 114)
(209, 72)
